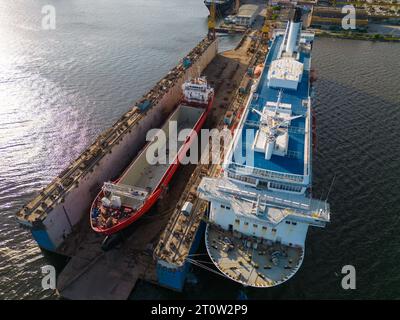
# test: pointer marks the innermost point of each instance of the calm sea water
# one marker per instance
(59, 89)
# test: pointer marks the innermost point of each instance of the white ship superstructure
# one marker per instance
(261, 207)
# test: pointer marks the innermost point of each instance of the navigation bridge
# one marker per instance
(249, 202)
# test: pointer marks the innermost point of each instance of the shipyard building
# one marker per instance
(246, 15)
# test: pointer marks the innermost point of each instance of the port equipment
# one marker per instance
(237, 5)
(266, 27)
(186, 62)
(187, 208)
(211, 21)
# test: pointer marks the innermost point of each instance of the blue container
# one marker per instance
(144, 105)
(187, 63)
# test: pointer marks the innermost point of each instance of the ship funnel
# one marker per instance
(294, 30)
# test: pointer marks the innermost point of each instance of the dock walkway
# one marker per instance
(95, 274)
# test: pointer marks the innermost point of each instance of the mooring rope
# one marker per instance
(198, 264)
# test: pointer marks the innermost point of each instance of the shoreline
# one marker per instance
(357, 36)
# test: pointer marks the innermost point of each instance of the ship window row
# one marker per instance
(225, 207)
(291, 222)
(242, 178)
(197, 89)
(255, 226)
(277, 175)
(286, 187)
(269, 174)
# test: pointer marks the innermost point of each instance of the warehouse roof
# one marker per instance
(247, 10)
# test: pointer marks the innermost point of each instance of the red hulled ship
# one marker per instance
(125, 200)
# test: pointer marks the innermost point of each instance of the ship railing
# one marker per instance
(263, 174)
(287, 201)
(308, 207)
(194, 99)
(290, 129)
(301, 209)
(132, 192)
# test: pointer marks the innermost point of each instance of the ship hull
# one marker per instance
(173, 276)
(221, 8)
(162, 185)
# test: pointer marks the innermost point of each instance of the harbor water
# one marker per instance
(60, 88)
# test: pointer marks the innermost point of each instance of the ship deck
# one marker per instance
(278, 204)
(293, 163)
(147, 175)
(250, 261)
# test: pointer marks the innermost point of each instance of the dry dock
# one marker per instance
(59, 216)
(94, 274)
(54, 214)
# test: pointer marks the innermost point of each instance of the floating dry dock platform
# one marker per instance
(158, 245)
(52, 215)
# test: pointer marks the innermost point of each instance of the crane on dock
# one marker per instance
(267, 22)
(211, 21)
(237, 5)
